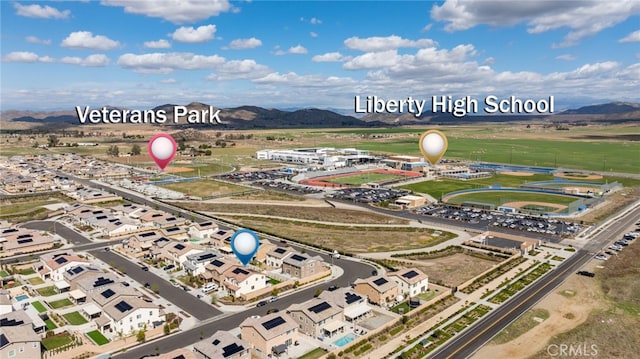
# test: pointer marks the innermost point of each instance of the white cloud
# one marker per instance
(42, 12)
(591, 71)
(292, 79)
(566, 57)
(330, 57)
(175, 11)
(21, 56)
(36, 40)
(96, 60)
(241, 44)
(168, 81)
(296, 50)
(632, 37)
(313, 34)
(239, 69)
(392, 42)
(167, 62)
(426, 28)
(86, 40)
(583, 18)
(189, 34)
(160, 44)
(315, 21)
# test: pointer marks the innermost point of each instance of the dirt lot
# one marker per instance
(584, 312)
(517, 173)
(453, 270)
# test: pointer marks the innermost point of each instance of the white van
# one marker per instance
(209, 287)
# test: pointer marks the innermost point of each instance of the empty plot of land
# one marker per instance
(323, 214)
(455, 269)
(346, 239)
(205, 188)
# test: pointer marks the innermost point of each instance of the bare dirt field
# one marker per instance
(454, 269)
(177, 169)
(579, 177)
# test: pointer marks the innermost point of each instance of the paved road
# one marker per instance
(474, 338)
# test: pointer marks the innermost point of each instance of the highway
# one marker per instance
(468, 342)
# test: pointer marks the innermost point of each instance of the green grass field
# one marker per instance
(498, 198)
(205, 188)
(601, 155)
(57, 304)
(75, 318)
(39, 307)
(47, 291)
(50, 324)
(97, 337)
(441, 187)
(362, 178)
(4, 273)
(56, 341)
(35, 280)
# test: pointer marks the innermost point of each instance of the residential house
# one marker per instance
(222, 344)
(203, 231)
(241, 280)
(131, 314)
(5, 302)
(303, 266)
(380, 290)
(277, 255)
(15, 241)
(196, 263)
(263, 250)
(176, 233)
(19, 342)
(411, 281)
(54, 265)
(354, 306)
(180, 353)
(176, 252)
(221, 238)
(317, 317)
(272, 333)
(214, 270)
(28, 318)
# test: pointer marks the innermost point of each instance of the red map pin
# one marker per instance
(162, 148)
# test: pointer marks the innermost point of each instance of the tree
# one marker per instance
(53, 141)
(223, 144)
(135, 150)
(141, 336)
(113, 150)
(166, 329)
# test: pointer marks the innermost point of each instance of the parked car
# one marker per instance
(273, 310)
(169, 267)
(601, 257)
(261, 303)
(332, 288)
(272, 299)
(145, 268)
(586, 273)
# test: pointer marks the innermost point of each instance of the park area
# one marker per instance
(514, 199)
(206, 188)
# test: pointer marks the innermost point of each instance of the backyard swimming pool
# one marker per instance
(21, 297)
(345, 340)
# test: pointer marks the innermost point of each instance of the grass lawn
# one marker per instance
(362, 178)
(314, 354)
(75, 318)
(404, 306)
(427, 296)
(522, 325)
(35, 280)
(26, 271)
(56, 341)
(498, 198)
(47, 291)
(97, 337)
(4, 273)
(273, 281)
(57, 304)
(50, 324)
(39, 307)
(25, 206)
(205, 188)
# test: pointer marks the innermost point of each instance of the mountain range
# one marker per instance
(253, 117)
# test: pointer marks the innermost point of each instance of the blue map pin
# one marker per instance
(244, 244)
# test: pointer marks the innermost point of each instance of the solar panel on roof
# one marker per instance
(113, 220)
(156, 215)
(205, 224)
(216, 341)
(319, 308)
(380, 281)
(171, 219)
(10, 230)
(179, 246)
(102, 281)
(206, 256)
(410, 274)
(352, 298)
(22, 236)
(101, 217)
(217, 263)
(280, 250)
(172, 229)
(77, 270)
(4, 322)
(108, 293)
(220, 233)
(61, 260)
(179, 357)
(270, 324)
(123, 306)
(148, 234)
(298, 257)
(240, 271)
(23, 241)
(97, 212)
(231, 349)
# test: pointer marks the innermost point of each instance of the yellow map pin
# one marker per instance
(433, 144)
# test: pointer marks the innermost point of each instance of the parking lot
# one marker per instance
(547, 226)
(368, 195)
(254, 176)
(288, 187)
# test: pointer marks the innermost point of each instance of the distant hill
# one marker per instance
(249, 117)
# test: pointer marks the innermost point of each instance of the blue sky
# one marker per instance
(139, 54)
